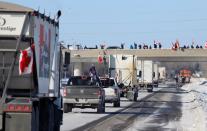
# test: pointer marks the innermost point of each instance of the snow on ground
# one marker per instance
(198, 87)
(193, 116)
(198, 91)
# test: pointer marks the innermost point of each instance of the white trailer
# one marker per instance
(122, 68)
(162, 73)
(155, 74)
(145, 74)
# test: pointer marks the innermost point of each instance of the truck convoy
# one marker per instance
(29, 70)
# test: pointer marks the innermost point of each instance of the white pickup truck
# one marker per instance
(112, 91)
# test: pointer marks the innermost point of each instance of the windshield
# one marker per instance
(107, 82)
(79, 81)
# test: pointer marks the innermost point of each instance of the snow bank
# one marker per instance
(198, 87)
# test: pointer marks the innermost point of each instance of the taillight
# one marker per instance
(64, 92)
(11, 107)
(18, 108)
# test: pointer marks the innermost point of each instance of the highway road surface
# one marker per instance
(167, 108)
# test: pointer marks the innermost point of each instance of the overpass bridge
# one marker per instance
(161, 55)
(81, 60)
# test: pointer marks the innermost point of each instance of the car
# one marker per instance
(112, 91)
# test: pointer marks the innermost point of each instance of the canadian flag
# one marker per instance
(26, 61)
(100, 59)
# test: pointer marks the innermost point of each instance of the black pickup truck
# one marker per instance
(81, 92)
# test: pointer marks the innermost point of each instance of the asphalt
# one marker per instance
(158, 111)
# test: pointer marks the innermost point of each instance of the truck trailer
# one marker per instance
(162, 74)
(123, 69)
(155, 75)
(30, 65)
(145, 72)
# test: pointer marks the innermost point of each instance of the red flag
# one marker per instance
(100, 59)
(206, 45)
(26, 61)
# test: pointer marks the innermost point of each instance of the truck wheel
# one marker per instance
(149, 90)
(65, 108)
(101, 107)
(35, 117)
(70, 107)
(117, 103)
(58, 119)
(51, 123)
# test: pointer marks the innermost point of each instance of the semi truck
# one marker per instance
(185, 75)
(123, 69)
(30, 65)
(162, 74)
(145, 72)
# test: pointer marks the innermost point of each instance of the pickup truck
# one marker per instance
(82, 92)
(112, 91)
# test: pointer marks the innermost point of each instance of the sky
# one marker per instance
(112, 22)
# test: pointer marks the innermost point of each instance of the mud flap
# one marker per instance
(1, 121)
(18, 122)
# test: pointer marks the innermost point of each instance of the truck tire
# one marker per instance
(35, 117)
(70, 107)
(150, 89)
(117, 103)
(65, 108)
(51, 123)
(58, 119)
(101, 107)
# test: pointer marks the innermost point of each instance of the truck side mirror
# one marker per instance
(153, 74)
(67, 58)
(140, 74)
